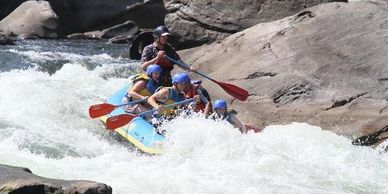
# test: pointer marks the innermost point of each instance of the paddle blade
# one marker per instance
(117, 121)
(234, 91)
(99, 110)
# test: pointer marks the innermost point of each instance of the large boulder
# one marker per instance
(89, 15)
(195, 22)
(326, 65)
(31, 17)
(21, 180)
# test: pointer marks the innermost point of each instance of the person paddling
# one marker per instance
(144, 85)
(221, 113)
(169, 95)
(155, 54)
(194, 88)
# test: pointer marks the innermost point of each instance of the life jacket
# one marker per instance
(200, 106)
(226, 116)
(165, 64)
(172, 98)
(175, 96)
(151, 85)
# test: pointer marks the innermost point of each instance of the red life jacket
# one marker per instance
(200, 106)
(165, 63)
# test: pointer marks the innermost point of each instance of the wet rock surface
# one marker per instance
(195, 22)
(325, 66)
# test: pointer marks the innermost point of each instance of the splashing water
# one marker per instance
(44, 125)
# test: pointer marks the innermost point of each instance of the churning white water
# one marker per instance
(44, 126)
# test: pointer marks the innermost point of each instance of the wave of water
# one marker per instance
(44, 125)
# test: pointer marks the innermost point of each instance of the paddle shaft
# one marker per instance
(99, 110)
(123, 119)
(185, 66)
(167, 106)
(231, 89)
(131, 103)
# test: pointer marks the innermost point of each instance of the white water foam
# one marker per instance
(45, 126)
(43, 56)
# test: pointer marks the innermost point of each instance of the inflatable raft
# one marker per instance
(139, 133)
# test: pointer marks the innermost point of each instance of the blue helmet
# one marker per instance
(180, 77)
(218, 104)
(153, 69)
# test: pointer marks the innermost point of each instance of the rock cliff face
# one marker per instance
(195, 22)
(88, 15)
(21, 180)
(64, 17)
(326, 65)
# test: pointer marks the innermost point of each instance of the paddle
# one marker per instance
(231, 89)
(117, 121)
(99, 110)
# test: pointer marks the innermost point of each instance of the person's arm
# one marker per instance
(146, 62)
(208, 108)
(161, 94)
(136, 88)
(144, 65)
(205, 97)
(238, 124)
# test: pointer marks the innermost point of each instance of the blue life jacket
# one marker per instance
(175, 96)
(226, 116)
(152, 86)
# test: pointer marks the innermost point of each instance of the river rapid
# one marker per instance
(46, 88)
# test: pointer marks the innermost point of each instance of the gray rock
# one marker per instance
(89, 15)
(6, 40)
(325, 66)
(373, 138)
(32, 17)
(24, 36)
(126, 29)
(21, 180)
(195, 22)
(121, 39)
(86, 35)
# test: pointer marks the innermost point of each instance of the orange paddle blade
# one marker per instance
(117, 121)
(99, 110)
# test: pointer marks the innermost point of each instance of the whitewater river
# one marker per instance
(46, 88)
